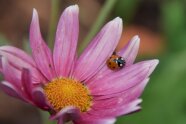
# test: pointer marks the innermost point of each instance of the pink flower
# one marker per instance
(81, 89)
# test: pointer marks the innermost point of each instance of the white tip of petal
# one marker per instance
(136, 40)
(76, 7)
(73, 8)
(117, 20)
(139, 101)
(136, 37)
(146, 81)
(129, 52)
(35, 14)
(111, 121)
(116, 25)
(153, 65)
(4, 61)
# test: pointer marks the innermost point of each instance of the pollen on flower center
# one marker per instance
(63, 92)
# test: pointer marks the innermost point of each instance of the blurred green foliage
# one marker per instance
(174, 23)
(126, 9)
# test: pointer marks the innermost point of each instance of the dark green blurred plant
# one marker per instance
(126, 9)
(55, 5)
(174, 23)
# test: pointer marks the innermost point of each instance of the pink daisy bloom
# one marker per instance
(81, 89)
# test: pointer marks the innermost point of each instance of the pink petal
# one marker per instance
(130, 51)
(68, 113)
(122, 80)
(120, 99)
(60, 121)
(11, 74)
(101, 47)
(41, 53)
(66, 41)
(39, 98)
(19, 59)
(1, 66)
(18, 53)
(96, 121)
(26, 83)
(11, 90)
(118, 111)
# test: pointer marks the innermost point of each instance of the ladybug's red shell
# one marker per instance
(115, 62)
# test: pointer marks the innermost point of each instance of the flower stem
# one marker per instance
(53, 21)
(109, 4)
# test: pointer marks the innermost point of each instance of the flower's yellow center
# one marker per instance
(63, 92)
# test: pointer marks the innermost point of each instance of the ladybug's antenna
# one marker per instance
(114, 53)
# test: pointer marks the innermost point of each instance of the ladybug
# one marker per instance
(115, 62)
